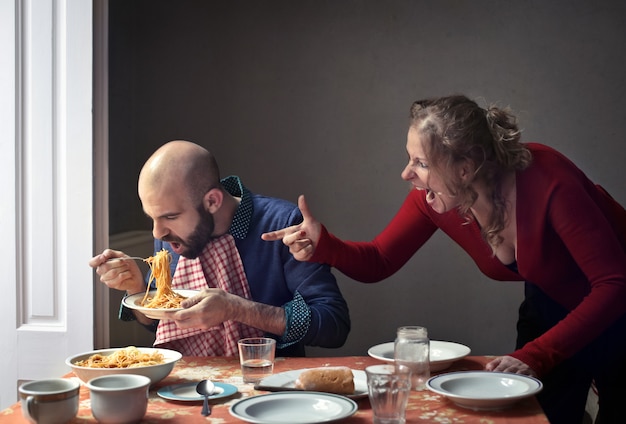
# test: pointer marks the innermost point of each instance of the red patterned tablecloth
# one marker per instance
(424, 406)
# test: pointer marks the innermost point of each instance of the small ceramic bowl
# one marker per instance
(119, 398)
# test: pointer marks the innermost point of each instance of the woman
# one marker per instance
(522, 212)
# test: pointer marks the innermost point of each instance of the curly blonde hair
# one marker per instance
(456, 129)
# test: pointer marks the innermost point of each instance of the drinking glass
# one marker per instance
(256, 356)
(389, 387)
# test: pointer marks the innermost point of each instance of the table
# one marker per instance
(424, 406)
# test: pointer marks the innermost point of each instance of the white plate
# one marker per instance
(133, 302)
(442, 354)
(287, 380)
(484, 390)
(294, 408)
(187, 391)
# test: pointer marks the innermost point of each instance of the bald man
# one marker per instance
(297, 303)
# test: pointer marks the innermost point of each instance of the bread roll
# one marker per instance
(337, 380)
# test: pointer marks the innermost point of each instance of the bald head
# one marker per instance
(180, 165)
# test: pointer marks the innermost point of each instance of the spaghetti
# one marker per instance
(129, 357)
(165, 297)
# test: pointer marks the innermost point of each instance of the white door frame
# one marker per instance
(101, 163)
(46, 214)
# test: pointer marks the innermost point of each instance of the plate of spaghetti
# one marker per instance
(161, 302)
(154, 363)
(134, 301)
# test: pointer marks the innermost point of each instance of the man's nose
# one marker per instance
(159, 231)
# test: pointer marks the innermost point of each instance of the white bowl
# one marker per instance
(154, 372)
(118, 399)
(442, 354)
(484, 390)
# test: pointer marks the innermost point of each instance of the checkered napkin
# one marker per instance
(219, 265)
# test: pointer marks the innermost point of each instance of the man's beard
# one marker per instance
(200, 236)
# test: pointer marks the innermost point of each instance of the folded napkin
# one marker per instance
(219, 265)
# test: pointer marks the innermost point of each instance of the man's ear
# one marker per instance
(212, 200)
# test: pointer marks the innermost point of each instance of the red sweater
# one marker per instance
(571, 242)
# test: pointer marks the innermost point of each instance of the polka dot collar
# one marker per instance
(241, 221)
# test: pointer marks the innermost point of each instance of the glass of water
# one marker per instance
(388, 387)
(256, 356)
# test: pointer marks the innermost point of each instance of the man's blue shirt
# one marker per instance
(316, 312)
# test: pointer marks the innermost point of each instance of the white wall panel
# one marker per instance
(8, 216)
(38, 166)
(47, 160)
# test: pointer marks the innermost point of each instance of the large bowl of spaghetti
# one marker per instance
(154, 363)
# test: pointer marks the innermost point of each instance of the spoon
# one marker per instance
(206, 389)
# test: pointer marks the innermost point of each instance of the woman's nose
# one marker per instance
(407, 173)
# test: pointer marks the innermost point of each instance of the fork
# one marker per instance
(125, 258)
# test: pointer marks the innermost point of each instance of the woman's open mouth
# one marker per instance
(430, 195)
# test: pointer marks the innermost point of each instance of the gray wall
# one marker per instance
(312, 96)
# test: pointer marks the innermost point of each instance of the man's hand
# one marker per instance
(213, 306)
(118, 274)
